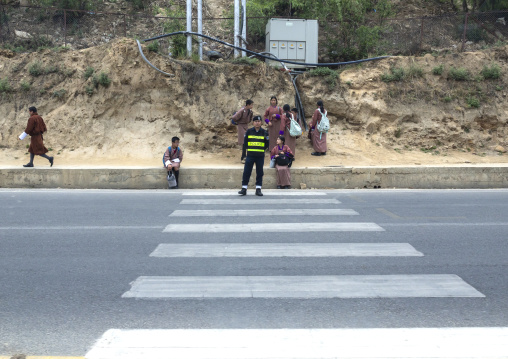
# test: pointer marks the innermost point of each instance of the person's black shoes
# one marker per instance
(258, 192)
(316, 153)
(28, 165)
(287, 187)
(278, 187)
(243, 192)
(323, 153)
(51, 161)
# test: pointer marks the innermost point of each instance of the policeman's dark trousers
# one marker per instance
(247, 170)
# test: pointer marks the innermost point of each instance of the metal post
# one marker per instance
(124, 26)
(244, 26)
(65, 28)
(237, 27)
(464, 34)
(421, 37)
(189, 27)
(200, 29)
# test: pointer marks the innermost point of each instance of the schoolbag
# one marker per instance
(283, 160)
(295, 129)
(169, 148)
(323, 125)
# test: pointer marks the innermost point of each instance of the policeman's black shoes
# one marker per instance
(258, 192)
(28, 165)
(243, 192)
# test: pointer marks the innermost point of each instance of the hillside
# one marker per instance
(425, 118)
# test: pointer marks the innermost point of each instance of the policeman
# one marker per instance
(254, 145)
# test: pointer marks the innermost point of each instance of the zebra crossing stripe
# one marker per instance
(392, 343)
(264, 212)
(340, 286)
(272, 227)
(207, 250)
(251, 201)
(265, 192)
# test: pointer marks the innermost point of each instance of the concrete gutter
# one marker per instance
(473, 176)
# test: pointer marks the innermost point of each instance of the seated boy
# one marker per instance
(173, 157)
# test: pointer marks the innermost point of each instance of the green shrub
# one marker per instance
(491, 72)
(59, 93)
(321, 71)
(88, 72)
(438, 70)
(104, 79)
(447, 99)
(245, 61)
(5, 86)
(51, 69)
(414, 71)
(89, 90)
(36, 69)
(458, 74)
(25, 86)
(473, 102)
(153, 46)
(396, 74)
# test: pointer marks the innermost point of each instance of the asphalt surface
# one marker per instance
(68, 256)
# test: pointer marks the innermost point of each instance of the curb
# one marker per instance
(417, 177)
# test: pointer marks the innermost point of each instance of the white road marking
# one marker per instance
(77, 228)
(340, 286)
(264, 212)
(206, 250)
(272, 227)
(385, 343)
(248, 201)
(265, 192)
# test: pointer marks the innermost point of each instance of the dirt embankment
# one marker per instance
(425, 119)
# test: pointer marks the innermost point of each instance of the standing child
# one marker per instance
(272, 119)
(173, 158)
(241, 119)
(318, 139)
(285, 124)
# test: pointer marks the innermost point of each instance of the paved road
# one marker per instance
(77, 263)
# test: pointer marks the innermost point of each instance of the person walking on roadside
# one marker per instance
(282, 154)
(241, 119)
(254, 146)
(318, 138)
(35, 128)
(173, 157)
(285, 124)
(272, 118)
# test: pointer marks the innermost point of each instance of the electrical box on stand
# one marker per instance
(293, 40)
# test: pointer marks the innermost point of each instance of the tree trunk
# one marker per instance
(464, 6)
(452, 3)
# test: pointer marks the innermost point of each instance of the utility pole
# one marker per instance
(189, 27)
(244, 25)
(237, 27)
(200, 29)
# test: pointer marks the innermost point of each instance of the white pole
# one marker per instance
(189, 27)
(244, 27)
(200, 29)
(237, 26)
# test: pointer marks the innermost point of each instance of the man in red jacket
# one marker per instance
(35, 128)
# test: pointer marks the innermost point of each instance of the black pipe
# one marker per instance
(263, 56)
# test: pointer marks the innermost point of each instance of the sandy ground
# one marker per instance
(340, 153)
